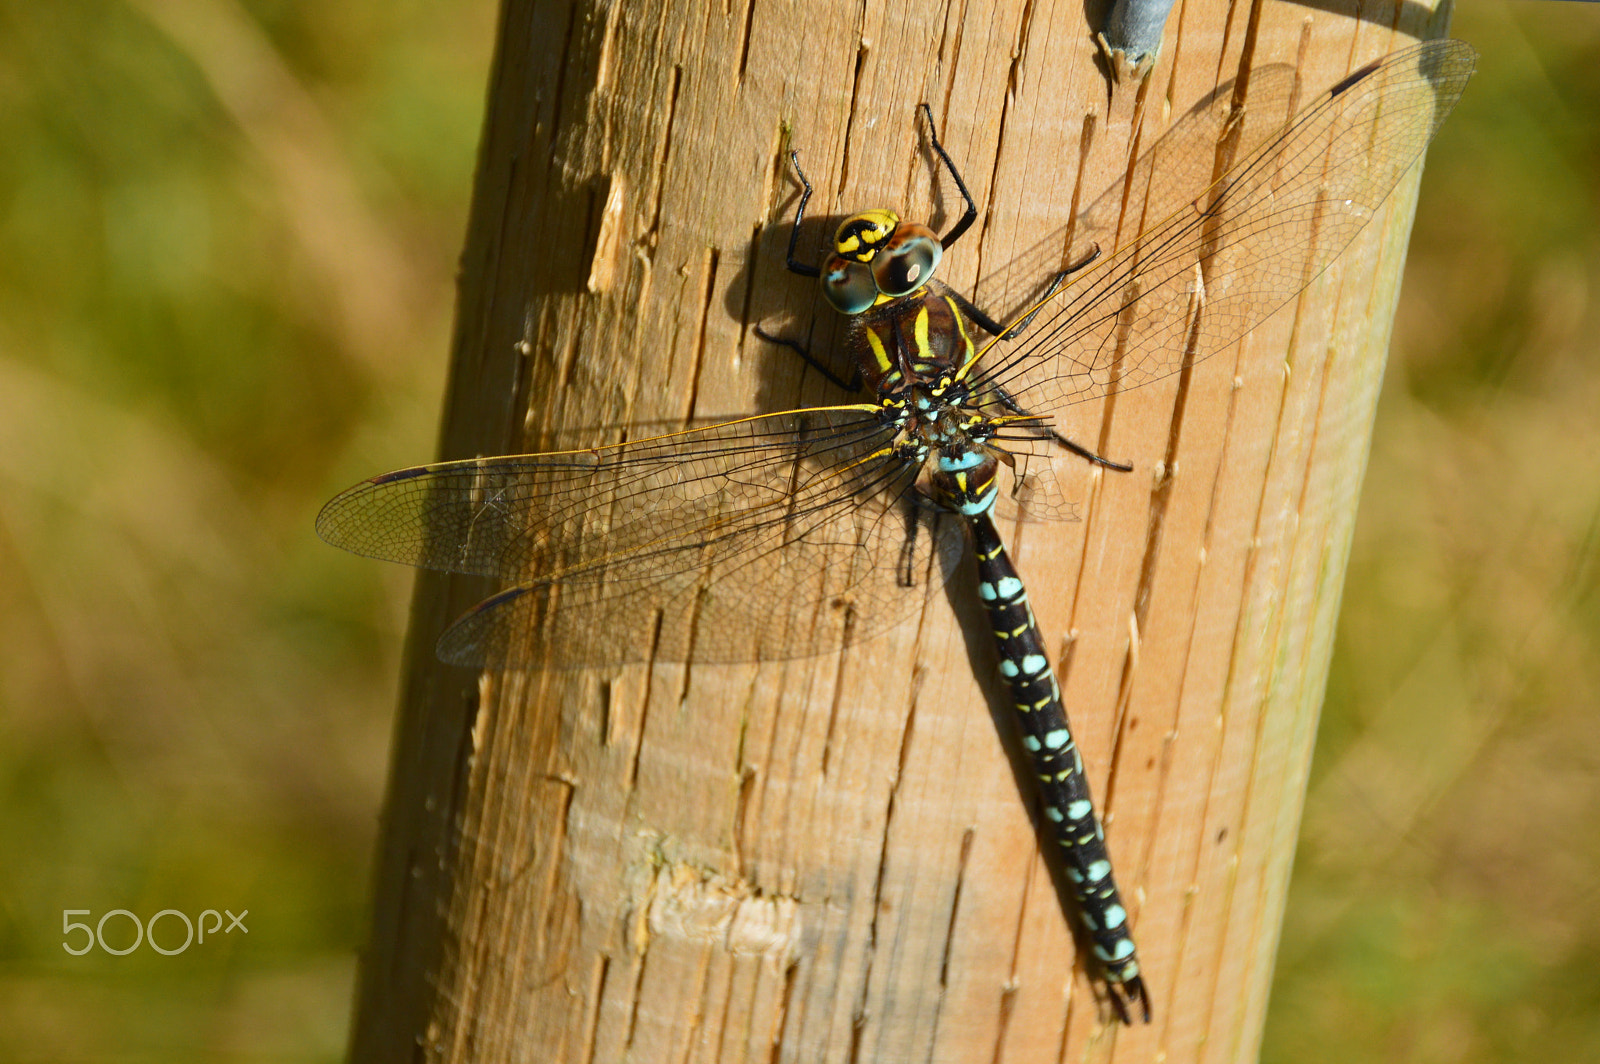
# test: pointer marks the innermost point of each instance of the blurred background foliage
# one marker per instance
(1445, 904)
(227, 236)
(228, 232)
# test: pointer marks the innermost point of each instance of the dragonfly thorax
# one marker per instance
(932, 420)
(913, 340)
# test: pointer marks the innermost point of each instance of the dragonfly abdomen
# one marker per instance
(1058, 768)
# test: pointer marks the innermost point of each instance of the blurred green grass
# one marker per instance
(225, 251)
(227, 233)
(1443, 906)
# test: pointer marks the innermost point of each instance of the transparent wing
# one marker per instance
(1164, 178)
(721, 541)
(1228, 258)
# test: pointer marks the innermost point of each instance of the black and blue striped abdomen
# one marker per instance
(1058, 768)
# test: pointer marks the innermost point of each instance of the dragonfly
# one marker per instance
(791, 534)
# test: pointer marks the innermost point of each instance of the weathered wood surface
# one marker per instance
(827, 859)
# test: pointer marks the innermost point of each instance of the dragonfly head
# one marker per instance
(877, 257)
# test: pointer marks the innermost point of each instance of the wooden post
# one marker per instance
(828, 859)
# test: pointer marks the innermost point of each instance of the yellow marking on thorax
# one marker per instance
(921, 334)
(961, 327)
(879, 354)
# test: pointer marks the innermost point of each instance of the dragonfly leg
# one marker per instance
(1083, 452)
(906, 566)
(969, 215)
(1044, 432)
(851, 384)
(994, 328)
(794, 264)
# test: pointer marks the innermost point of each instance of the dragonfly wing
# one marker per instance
(718, 540)
(775, 591)
(1190, 285)
(1164, 178)
(546, 515)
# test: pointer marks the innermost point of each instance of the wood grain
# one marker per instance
(828, 859)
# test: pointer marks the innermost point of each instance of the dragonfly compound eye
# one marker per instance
(907, 260)
(848, 285)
